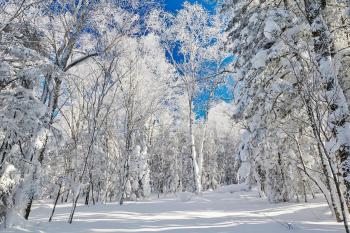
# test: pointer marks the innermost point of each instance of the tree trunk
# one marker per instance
(28, 207)
(201, 149)
(87, 195)
(74, 206)
(196, 172)
(56, 200)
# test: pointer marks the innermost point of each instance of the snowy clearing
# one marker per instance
(216, 212)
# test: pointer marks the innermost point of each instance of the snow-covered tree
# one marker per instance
(196, 37)
(289, 85)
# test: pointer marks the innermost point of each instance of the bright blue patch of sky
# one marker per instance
(175, 5)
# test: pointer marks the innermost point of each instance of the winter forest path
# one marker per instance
(214, 212)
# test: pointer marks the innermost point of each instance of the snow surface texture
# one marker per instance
(216, 212)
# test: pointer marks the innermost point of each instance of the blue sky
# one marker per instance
(174, 5)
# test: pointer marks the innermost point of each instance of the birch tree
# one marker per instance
(194, 32)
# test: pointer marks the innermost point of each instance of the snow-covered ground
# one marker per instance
(215, 212)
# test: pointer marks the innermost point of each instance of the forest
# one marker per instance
(174, 116)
